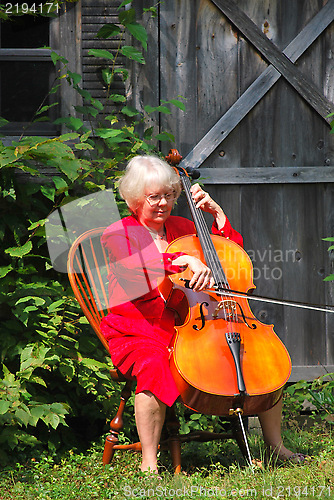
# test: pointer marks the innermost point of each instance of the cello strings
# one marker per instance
(211, 256)
(209, 250)
(210, 253)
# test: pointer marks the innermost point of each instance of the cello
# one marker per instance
(224, 361)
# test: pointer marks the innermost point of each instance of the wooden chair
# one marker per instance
(88, 268)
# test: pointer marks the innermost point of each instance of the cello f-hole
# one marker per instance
(253, 325)
(195, 327)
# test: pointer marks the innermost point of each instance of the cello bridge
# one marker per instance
(229, 306)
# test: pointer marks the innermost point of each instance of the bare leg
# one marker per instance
(150, 416)
(271, 428)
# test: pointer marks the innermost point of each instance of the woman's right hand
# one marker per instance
(202, 276)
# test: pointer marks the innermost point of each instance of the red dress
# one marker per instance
(139, 327)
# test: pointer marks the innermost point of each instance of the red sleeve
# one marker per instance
(228, 232)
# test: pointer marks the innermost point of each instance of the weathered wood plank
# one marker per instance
(218, 77)
(258, 130)
(91, 22)
(309, 372)
(178, 72)
(303, 209)
(287, 69)
(327, 225)
(267, 175)
(303, 281)
(220, 131)
(70, 49)
(18, 54)
(110, 44)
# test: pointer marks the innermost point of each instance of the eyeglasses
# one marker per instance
(154, 199)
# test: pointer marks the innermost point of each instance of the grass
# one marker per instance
(210, 470)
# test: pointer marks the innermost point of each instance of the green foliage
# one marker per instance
(209, 470)
(316, 396)
(53, 371)
(330, 249)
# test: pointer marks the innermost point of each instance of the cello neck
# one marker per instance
(209, 251)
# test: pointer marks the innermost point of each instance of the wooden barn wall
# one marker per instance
(195, 52)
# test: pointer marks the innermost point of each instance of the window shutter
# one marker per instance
(94, 15)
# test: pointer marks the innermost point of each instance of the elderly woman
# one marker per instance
(140, 327)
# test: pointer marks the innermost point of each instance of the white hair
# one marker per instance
(142, 172)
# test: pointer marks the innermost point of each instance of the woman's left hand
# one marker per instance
(204, 201)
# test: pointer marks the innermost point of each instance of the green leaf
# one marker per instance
(45, 108)
(132, 53)
(124, 3)
(37, 380)
(124, 72)
(71, 122)
(75, 77)
(178, 104)
(4, 270)
(92, 186)
(19, 251)
(83, 146)
(105, 54)
(38, 223)
(85, 136)
(83, 320)
(148, 133)
(36, 413)
(41, 119)
(107, 75)
(60, 183)
(195, 416)
(56, 57)
(55, 306)
(109, 132)
(87, 110)
(3, 121)
(139, 32)
(117, 98)
(127, 16)
(329, 278)
(69, 167)
(23, 416)
(165, 136)
(160, 109)
(67, 370)
(39, 301)
(108, 30)
(58, 408)
(92, 363)
(51, 419)
(68, 137)
(8, 156)
(130, 111)
(54, 89)
(97, 104)
(48, 192)
(4, 406)
(153, 11)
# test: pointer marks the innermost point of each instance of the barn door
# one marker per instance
(257, 78)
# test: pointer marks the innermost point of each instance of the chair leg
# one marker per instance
(239, 437)
(116, 425)
(174, 442)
